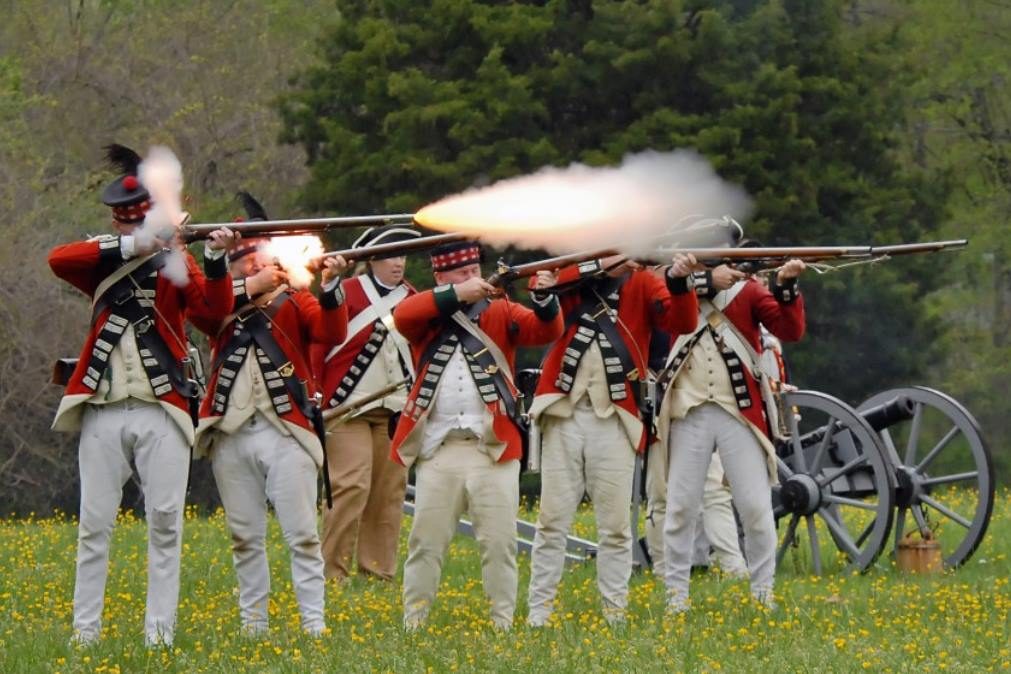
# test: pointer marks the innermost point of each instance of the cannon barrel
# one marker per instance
(879, 418)
(889, 413)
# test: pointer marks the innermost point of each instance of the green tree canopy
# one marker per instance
(416, 100)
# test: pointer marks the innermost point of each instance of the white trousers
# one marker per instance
(252, 465)
(693, 439)
(111, 437)
(715, 538)
(583, 454)
(459, 478)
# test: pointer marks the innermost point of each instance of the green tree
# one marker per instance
(958, 124)
(200, 77)
(413, 101)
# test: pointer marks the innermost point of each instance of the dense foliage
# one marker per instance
(417, 100)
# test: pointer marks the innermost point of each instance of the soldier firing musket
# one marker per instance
(260, 425)
(129, 393)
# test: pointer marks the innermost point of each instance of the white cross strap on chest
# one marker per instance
(706, 309)
(752, 360)
(380, 309)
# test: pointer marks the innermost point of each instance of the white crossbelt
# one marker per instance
(380, 309)
(712, 317)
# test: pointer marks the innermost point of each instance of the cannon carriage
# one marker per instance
(907, 462)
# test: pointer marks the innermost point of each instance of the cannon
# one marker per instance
(865, 474)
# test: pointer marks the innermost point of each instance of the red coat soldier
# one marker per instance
(714, 395)
(130, 395)
(259, 424)
(367, 487)
(460, 423)
(590, 411)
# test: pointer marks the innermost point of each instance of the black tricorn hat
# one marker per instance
(126, 195)
(254, 210)
(374, 236)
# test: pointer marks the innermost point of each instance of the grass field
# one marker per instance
(880, 621)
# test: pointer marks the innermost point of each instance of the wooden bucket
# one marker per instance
(919, 555)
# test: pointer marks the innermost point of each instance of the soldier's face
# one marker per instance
(389, 271)
(458, 275)
(249, 265)
(124, 228)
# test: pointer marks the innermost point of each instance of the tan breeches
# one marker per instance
(460, 478)
(368, 488)
(583, 454)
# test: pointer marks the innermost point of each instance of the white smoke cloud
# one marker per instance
(626, 208)
(161, 173)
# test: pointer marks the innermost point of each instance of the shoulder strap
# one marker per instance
(723, 298)
(379, 309)
(118, 281)
(118, 274)
(490, 358)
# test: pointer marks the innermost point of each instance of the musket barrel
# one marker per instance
(398, 247)
(924, 247)
(195, 232)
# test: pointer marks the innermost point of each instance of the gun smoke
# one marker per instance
(161, 173)
(647, 201)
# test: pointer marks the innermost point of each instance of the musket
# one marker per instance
(396, 248)
(505, 274)
(196, 232)
(754, 259)
(349, 411)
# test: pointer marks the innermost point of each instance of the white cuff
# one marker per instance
(541, 299)
(212, 253)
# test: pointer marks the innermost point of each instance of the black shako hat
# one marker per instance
(129, 200)
(254, 212)
(454, 255)
(374, 236)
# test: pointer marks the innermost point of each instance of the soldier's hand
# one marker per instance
(473, 289)
(792, 269)
(267, 279)
(682, 265)
(544, 279)
(333, 267)
(223, 239)
(617, 265)
(725, 276)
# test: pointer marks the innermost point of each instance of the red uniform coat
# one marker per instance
(420, 319)
(298, 321)
(85, 264)
(644, 303)
(329, 374)
(781, 313)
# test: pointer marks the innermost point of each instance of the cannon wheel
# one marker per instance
(940, 446)
(840, 478)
